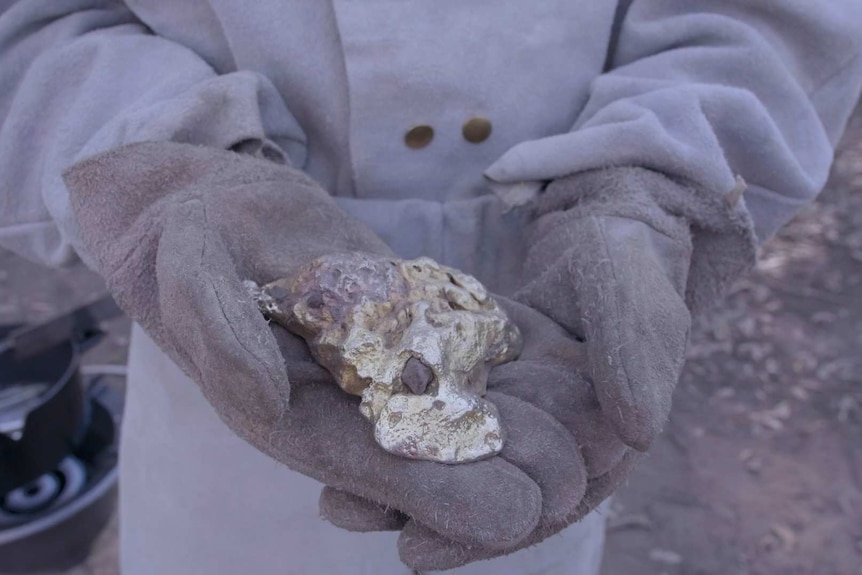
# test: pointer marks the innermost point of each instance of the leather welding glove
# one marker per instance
(547, 375)
(176, 229)
(621, 258)
(618, 260)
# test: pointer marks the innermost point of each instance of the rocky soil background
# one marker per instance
(759, 471)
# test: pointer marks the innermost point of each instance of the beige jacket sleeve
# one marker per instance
(705, 90)
(84, 76)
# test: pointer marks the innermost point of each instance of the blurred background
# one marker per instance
(759, 470)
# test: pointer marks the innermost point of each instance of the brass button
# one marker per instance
(476, 130)
(419, 136)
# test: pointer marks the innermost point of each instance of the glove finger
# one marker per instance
(348, 511)
(423, 549)
(325, 437)
(549, 374)
(571, 400)
(547, 457)
(537, 444)
(542, 448)
(215, 328)
(636, 331)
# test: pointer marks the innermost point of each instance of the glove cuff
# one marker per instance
(122, 197)
(724, 245)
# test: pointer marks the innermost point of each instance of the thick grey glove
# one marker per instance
(621, 257)
(175, 229)
(547, 375)
(617, 259)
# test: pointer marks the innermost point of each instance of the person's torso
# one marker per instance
(405, 98)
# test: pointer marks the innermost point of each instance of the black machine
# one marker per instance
(59, 427)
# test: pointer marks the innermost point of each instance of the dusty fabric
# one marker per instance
(702, 90)
(175, 229)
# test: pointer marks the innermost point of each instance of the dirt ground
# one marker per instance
(759, 471)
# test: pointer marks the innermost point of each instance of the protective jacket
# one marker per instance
(426, 120)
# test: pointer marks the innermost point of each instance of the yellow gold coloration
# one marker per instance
(414, 339)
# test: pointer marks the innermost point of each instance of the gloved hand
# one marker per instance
(547, 375)
(619, 259)
(175, 229)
